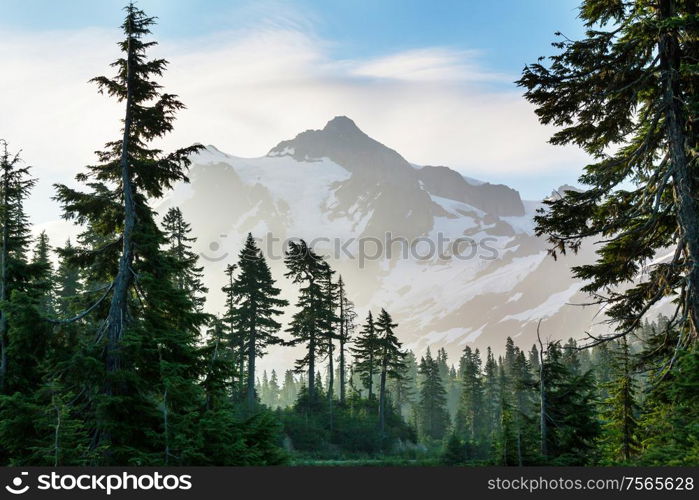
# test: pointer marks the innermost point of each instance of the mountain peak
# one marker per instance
(342, 124)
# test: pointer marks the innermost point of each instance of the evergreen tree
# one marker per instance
(68, 283)
(433, 415)
(366, 354)
(274, 390)
(331, 322)
(289, 391)
(177, 232)
(620, 409)
(626, 94)
(404, 389)
(391, 359)
(43, 278)
(308, 325)
(236, 336)
(572, 426)
(506, 441)
(347, 325)
(453, 451)
(220, 369)
(668, 428)
(142, 402)
(491, 398)
(256, 307)
(522, 384)
(470, 417)
(15, 186)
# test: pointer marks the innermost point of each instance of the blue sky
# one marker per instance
(510, 32)
(432, 79)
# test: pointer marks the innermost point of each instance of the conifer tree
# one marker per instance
(470, 417)
(274, 390)
(219, 375)
(491, 399)
(620, 408)
(236, 337)
(68, 283)
(668, 421)
(404, 389)
(256, 305)
(308, 325)
(43, 278)
(433, 416)
(626, 94)
(391, 359)
(177, 232)
(347, 317)
(332, 324)
(15, 186)
(366, 354)
(147, 327)
(453, 451)
(522, 384)
(572, 426)
(289, 390)
(506, 445)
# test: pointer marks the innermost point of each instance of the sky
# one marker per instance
(431, 79)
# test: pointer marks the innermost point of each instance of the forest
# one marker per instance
(108, 355)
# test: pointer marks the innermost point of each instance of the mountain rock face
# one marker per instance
(495, 199)
(380, 179)
(455, 261)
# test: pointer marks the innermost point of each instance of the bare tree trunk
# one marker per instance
(684, 180)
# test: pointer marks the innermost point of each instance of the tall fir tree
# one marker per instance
(15, 185)
(236, 337)
(141, 403)
(470, 417)
(433, 415)
(190, 279)
(620, 409)
(366, 354)
(308, 324)
(572, 427)
(391, 359)
(256, 307)
(626, 94)
(347, 319)
(68, 283)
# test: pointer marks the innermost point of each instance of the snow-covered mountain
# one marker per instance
(345, 192)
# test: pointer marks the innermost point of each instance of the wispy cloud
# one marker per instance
(434, 64)
(247, 90)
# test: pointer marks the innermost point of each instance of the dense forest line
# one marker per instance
(110, 357)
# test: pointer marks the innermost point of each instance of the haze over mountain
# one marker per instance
(349, 194)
